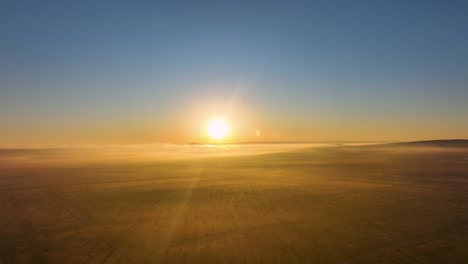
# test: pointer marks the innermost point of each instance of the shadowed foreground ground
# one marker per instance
(365, 204)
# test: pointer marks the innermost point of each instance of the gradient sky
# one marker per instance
(117, 72)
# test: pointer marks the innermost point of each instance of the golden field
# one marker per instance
(341, 204)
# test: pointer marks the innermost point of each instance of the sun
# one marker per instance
(218, 128)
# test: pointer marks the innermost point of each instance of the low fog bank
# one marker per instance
(155, 152)
(56, 156)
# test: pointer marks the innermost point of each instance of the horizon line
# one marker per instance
(337, 142)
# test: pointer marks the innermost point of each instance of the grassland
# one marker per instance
(344, 204)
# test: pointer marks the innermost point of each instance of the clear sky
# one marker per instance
(117, 72)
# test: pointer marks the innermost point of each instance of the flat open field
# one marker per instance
(344, 204)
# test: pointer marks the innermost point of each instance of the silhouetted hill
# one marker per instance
(436, 143)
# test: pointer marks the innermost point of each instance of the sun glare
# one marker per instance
(218, 128)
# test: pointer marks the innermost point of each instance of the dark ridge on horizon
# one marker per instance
(435, 143)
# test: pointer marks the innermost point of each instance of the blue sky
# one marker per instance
(135, 71)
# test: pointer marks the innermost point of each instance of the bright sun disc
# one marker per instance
(218, 128)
